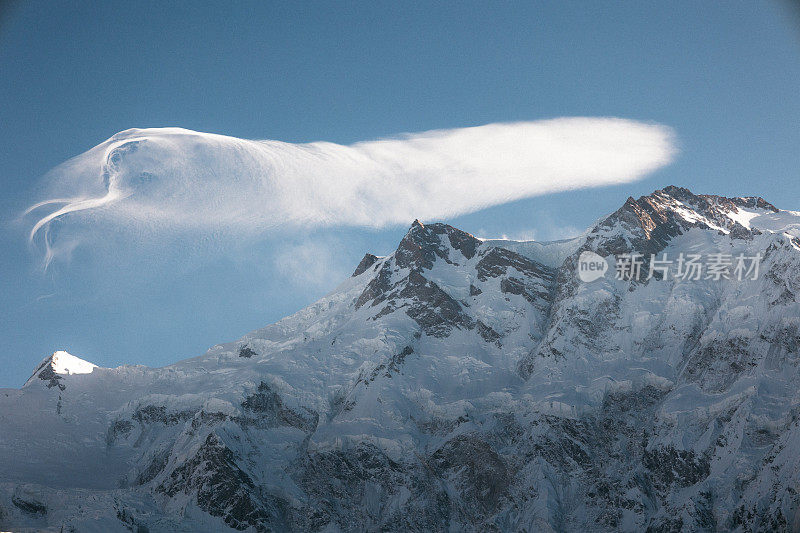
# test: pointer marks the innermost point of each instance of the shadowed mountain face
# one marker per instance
(455, 385)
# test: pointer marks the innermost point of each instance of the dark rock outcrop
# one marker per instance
(423, 244)
(266, 408)
(365, 263)
(247, 352)
(223, 489)
(478, 473)
(46, 373)
(30, 506)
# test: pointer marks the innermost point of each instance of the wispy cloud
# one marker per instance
(164, 180)
(546, 230)
(311, 263)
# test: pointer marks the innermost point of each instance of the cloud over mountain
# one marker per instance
(168, 179)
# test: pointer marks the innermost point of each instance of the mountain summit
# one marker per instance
(60, 363)
(457, 384)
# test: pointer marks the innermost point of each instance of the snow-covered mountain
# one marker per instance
(454, 385)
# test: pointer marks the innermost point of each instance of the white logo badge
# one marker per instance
(591, 266)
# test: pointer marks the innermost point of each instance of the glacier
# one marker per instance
(457, 384)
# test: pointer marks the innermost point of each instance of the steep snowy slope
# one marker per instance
(456, 384)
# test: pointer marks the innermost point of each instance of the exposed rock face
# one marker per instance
(652, 221)
(48, 375)
(376, 290)
(365, 263)
(362, 489)
(246, 351)
(422, 245)
(223, 489)
(266, 408)
(433, 309)
(455, 385)
(518, 275)
(476, 471)
(496, 262)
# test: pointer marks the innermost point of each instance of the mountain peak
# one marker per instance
(423, 243)
(647, 224)
(59, 364)
(676, 191)
(681, 209)
(708, 200)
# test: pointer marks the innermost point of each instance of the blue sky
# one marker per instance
(723, 76)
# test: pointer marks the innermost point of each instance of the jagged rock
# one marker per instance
(432, 308)
(740, 232)
(497, 261)
(118, 428)
(477, 472)
(365, 263)
(361, 488)
(151, 414)
(223, 489)
(422, 245)
(48, 375)
(675, 467)
(376, 290)
(269, 410)
(246, 351)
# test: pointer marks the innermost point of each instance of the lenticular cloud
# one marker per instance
(165, 179)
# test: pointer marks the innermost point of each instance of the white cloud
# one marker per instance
(169, 179)
(313, 264)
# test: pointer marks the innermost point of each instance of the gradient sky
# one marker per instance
(723, 75)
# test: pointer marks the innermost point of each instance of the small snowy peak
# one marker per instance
(61, 363)
(66, 363)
